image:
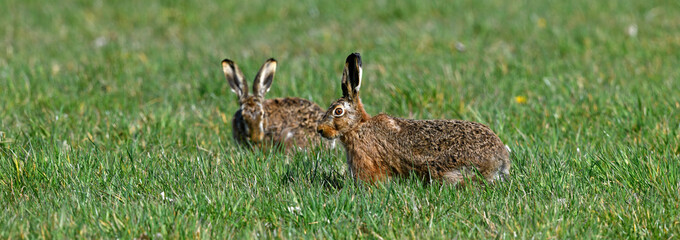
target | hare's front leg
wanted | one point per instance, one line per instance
(366, 169)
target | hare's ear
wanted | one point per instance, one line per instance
(351, 76)
(263, 80)
(235, 78)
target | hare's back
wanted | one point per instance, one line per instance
(293, 112)
(456, 134)
(436, 138)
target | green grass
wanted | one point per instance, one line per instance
(114, 117)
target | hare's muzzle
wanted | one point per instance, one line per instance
(326, 131)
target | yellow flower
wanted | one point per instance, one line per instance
(541, 23)
(520, 99)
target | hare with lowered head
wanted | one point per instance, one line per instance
(383, 146)
(285, 122)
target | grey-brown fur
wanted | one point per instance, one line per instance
(287, 122)
(382, 146)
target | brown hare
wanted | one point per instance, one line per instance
(383, 146)
(278, 122)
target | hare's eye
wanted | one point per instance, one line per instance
(338, 112)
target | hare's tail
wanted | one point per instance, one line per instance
(505, 170)
(502, 171)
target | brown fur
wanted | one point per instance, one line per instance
(382, 146)
(291, 122)
(285, 122)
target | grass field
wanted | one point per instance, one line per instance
(115, 117)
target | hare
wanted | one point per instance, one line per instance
(278, 122)
(384, 146)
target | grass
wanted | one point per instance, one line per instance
(115, 117)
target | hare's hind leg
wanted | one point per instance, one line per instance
(458, 176)
(497, 173)
(492, 175)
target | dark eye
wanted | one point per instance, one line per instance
(338, 112)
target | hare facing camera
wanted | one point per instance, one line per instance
(384, 146)
(279, 122)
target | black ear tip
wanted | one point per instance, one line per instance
(354, 57)
(271, 60)
(227, 61)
